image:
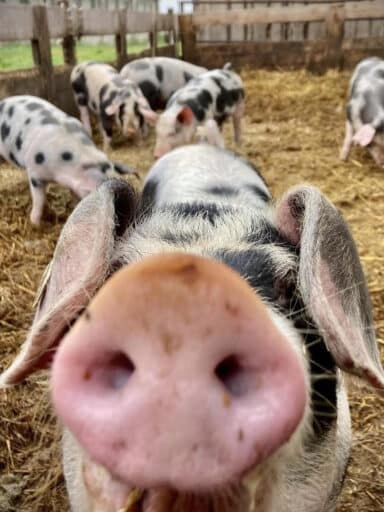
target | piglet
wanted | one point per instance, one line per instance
(99, 88)
(51, 146)
(159, 77)
(365, 110)
(212, 96)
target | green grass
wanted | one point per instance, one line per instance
(19, 55)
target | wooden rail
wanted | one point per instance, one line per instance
(290, 14)
(334, 48)
(17, 22)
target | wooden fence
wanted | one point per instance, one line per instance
(40, 24)
(335, 45)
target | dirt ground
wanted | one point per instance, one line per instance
(294, 126)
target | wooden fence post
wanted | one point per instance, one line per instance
(68, 43)
(153, 33)
(41, 49)
(121, 38)
(334, 23)
(188, 38)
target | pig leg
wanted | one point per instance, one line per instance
(38, 199)
(212, 134)
(236, 118)
(106, 132)
(84, 116)
(347, 144)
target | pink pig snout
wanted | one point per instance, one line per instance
(177, 376)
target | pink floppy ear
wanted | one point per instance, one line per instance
(79, 267)
(364, 135)
(331, 281)
(185, 116)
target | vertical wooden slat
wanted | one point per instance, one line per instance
(188, 38)
(68, 42)
(334, 23)
(41, 49)
(121, 38)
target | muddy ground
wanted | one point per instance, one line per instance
(293, 128)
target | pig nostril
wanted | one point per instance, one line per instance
(236, 379)
(115, 374)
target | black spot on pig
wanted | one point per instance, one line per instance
(10, 111)
(369, 109)
(67, 156)
(2, 104)
(39, 158)
(379, 73)
(152, 93)
(121, 113)
(260, 193)
(49, 120)
(222, 191)
(80, 88)
(19, 141)
(33, 105)
(187, 76)
(14, 159)
(205, 99)
(5, 131)
(148, 196)
(139, 65)
(74, 127)
(159, 73)
(138, 114)
(36, 183)
(125, 202)
(196, 108)
(178, 238)
(27, 121)
(267, 234)
(93, 106)
(209, 212)
(104, 167)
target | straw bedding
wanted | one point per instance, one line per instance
(293, 128)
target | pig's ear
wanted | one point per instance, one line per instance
(364, 135)
(80, 265)
(185, 116)
(331, 281)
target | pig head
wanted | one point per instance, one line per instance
(173, 375)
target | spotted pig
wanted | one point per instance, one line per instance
(202, 332)
(99, 88)
(212, 96)
(159, 77)
(365, 110)
(51, 146)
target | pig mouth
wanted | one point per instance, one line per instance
(106, 494)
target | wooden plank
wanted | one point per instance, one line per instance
(56, 21)
(335, 33)
(165, 22)
(188, 39)
(16, 23)
(353, 10)
(121, 39)
(41, 49)
(139, 22)
(99, 21)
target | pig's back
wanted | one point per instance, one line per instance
(205, 174)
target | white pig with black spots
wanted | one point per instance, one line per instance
(52, 147)
(160, 77)
(365, 110)
(99, 88)
(201, 336)
(210, 98)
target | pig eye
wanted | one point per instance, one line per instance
(235, 378)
